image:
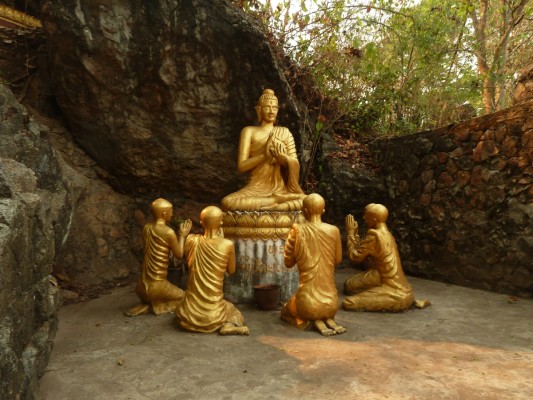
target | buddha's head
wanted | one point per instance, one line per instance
(267, 106)
(375, 214)
(161, 208)
(211, 217)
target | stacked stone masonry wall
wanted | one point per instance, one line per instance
(461, 200)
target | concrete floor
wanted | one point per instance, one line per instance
(469, 344)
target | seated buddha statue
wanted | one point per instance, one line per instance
(268, 154)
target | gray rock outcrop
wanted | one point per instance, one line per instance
(158, 92)
(56, 217)
(34, 203)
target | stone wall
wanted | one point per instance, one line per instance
(33, 206)
(461, 200)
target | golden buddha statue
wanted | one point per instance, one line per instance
(316, 248)
(153, 288)
(382, 287)
(209, 257)
(268, 153)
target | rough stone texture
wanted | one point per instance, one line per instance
(346, 185)
(55, 217)
(102, 243)
(157, 93)
(524, 86)
(33, 205)
(461, 200)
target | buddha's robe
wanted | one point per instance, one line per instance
(203, 308)
(313, 249)
(268, 177)
(383, 287)
(153, 287)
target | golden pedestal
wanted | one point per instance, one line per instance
(259, 238)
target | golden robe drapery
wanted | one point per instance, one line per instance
(314, 251)
(203, 308)
(153, 287)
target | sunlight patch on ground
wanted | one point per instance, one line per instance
(400, 369)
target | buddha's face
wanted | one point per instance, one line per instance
(269, 110)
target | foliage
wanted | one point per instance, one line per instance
(499, 30)
(396, 66)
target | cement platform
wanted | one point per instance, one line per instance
(468, 344)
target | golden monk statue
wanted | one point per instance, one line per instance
(316, 248)
(209, 257)
(268, 153)
(153, 288)
(382, 287)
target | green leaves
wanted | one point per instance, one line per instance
(393, 66)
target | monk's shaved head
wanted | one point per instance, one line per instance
(159, 206)
(314, 204)
(211, 217)
(377, 211)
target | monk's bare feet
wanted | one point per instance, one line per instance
(422, 303)
(323, 329)
(337, 328)
(137, 310)
(230, 329)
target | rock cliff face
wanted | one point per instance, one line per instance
(158, 92)
(34, 203)
(56, 217)
(101, 244)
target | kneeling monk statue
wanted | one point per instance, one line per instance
(209, 257)
(316, 248)
(382, 287)
(153, 288)
(268, 153)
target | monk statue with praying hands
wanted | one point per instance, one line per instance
(383, 286)
(156, 293)
(209, 256)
